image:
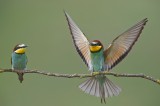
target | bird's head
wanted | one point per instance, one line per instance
(20, 48)
(95, 46)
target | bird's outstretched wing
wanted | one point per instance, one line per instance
(121, 46)
(80, 41)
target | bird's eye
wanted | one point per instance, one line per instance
(98, 44)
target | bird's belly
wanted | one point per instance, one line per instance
(19, 63)
(98, 64)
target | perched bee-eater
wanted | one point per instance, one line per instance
(19, 59)
(97, 59)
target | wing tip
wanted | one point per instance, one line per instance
(65, 13)
(144, 21)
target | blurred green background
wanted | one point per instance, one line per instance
(41, 24)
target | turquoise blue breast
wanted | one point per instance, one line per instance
(97, 60)
(19, 61)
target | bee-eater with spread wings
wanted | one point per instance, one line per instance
(97, 59)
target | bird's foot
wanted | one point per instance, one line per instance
(95, 73)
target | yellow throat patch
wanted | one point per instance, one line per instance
(20, 50)
(95, 48)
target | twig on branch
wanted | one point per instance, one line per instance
(83, 75)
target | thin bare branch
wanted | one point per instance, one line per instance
(83, 75)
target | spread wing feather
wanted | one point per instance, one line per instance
(121, 46)
(80, 41)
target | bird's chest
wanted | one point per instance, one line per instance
(97, 60)
(19, 61)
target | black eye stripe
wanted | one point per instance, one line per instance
(16, 48)
(19, 47)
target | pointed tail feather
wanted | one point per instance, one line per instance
(100, 86)
(20, 77)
